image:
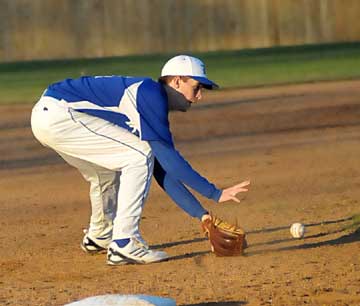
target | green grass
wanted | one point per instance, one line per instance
(355, 225)
(23, 82)
(352, 224)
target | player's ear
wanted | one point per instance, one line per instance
(176, 81)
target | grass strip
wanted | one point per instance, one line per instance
(23, 82)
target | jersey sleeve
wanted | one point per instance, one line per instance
(175, 165)
(178, 192)
(152, 106)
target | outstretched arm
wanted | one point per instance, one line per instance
(174, 164)
(178, 192)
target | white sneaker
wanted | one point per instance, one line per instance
(94, 245)
(134, 252)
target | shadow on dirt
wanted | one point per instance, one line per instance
(189, 255)
(175, 243)
(264, 230)
(274, 229)
(273, 242)
(51, 159)
(348, 238)
(345, 239)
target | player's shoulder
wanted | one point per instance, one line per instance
(152, 94)
(151, 84)
(152, 88)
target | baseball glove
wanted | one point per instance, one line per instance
(225, 239)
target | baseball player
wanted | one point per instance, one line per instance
(115, 131)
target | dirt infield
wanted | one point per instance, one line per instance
(299, 145)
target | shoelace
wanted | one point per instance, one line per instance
(141, 242)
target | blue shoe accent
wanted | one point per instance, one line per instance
(122, 242)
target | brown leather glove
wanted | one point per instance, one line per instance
(225, 239)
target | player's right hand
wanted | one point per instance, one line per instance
(231, 192)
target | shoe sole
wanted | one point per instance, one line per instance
(128, 260)
(119, 263)
(92, 252)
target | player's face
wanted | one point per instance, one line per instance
(190, 88)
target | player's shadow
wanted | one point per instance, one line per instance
(278, 241)
(189, 255)
(259, 231)
(349, 238)
(345, 239)
(285, 227)
(176, 243)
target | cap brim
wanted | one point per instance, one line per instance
(207, 84)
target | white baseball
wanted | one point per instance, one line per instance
(297, 230)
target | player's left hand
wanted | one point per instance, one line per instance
(231, 192)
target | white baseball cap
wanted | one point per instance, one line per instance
(185, 65)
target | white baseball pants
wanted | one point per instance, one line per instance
(117, 164)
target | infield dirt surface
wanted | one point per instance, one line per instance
(300, 147)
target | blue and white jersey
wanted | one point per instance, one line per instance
(140, 105)
(136, 104)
